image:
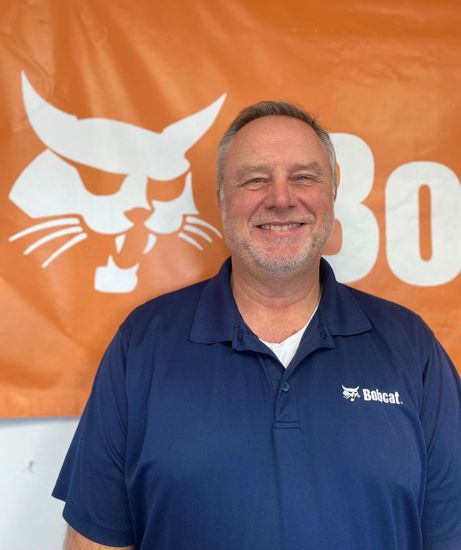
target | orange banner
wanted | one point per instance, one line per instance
(110, 117)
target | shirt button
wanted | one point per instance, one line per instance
(285, 386)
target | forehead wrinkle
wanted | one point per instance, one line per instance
(244, 170)
(313, 166)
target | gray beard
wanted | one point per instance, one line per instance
(280, 266)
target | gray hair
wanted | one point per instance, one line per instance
(272, 108)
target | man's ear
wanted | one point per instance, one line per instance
(337, 180)
(219, 197)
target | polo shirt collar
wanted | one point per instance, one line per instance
(339, 313)
(217, 318)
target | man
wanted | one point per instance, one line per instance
(270, 407)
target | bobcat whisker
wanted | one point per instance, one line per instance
(198, 231)
(193, 219)
(44, 225)
(190, 240)
(50, 237)
(71, 242)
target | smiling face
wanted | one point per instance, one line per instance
(277, 197)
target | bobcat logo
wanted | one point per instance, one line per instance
(351, 393)
(50, 187)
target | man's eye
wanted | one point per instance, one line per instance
(303, 178)
(253, 182)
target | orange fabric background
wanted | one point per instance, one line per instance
(386, 71)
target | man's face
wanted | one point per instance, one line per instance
(277, 197)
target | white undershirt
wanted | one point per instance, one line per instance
(286, 349)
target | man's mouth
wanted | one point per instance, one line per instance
(279, 226)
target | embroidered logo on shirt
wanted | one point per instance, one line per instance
(392, 398)
(351, 393)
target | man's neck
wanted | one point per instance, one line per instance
(275, 307)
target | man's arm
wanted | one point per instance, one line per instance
(76, 541)
(92, 478)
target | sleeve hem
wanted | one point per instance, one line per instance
(95, 533)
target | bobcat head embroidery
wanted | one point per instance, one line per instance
(351, 393)
(50, 187)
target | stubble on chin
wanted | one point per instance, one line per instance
(276, 262)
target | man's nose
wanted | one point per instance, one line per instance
(281, 194)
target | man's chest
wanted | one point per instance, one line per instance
(338, 416)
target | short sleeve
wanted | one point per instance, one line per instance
(441, 420)
(92, 478)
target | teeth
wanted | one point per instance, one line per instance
(280, 227)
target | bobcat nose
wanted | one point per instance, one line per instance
(138, 215)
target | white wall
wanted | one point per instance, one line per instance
(31, 454)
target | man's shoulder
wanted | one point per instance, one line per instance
(350, 303)
(171, 299)
(381, 305)
(389, 316)
(176, 307)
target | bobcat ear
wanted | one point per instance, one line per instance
(48, 122)
(88, 141)
(114, 146)
(187, 131)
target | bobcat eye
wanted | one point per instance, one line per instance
(164, 190)
(98, 182)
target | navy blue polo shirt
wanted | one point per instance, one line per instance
(196, 438)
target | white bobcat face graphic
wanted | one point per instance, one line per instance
(351, 393)
(51, 187)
